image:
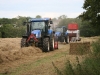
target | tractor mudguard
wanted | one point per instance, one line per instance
(50, 32)
(57, 34)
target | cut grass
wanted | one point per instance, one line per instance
(29, 66)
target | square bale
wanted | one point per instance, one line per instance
(79, 48)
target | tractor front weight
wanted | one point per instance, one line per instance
(32, 36)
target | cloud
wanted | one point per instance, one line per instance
(45, 8)
(12, 14)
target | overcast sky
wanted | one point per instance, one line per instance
(44, 8)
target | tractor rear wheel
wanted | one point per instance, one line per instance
(23, 42)
(52, 44)
(46, 45)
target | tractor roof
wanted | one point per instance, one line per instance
(39, 19)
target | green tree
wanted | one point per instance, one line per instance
(92, 13)
(20, 20)
(86, 29)
(66, 21)
(62, 17)
(38, 16)
(6, 30)
(5, 21)
(12, 27)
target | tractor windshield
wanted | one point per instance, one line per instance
(59, 29)
(38, 25)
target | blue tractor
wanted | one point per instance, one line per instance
(61, 33)
(40, 34)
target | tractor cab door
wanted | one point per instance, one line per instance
(27, 24)
(46, 27)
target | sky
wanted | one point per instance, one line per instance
(44, 8)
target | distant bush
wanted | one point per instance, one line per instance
(8, 31)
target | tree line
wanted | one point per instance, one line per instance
(11, 28)
(91, 15)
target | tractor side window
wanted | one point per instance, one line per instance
(59, 29)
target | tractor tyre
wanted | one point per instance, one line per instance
(46, 45)
(52, 44)
(66, 40)
(23, 42)
(62, 39)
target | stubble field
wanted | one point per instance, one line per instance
(15, 60)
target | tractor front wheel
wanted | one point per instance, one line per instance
(23, 42)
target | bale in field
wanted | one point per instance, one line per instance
(79, 48)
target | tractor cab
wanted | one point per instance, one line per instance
(60, 32)
(38, 24)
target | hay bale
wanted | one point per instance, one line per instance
(79, 48)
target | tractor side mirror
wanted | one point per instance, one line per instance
(51, 22)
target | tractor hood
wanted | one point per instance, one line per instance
(57, 33)
(37, 33)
